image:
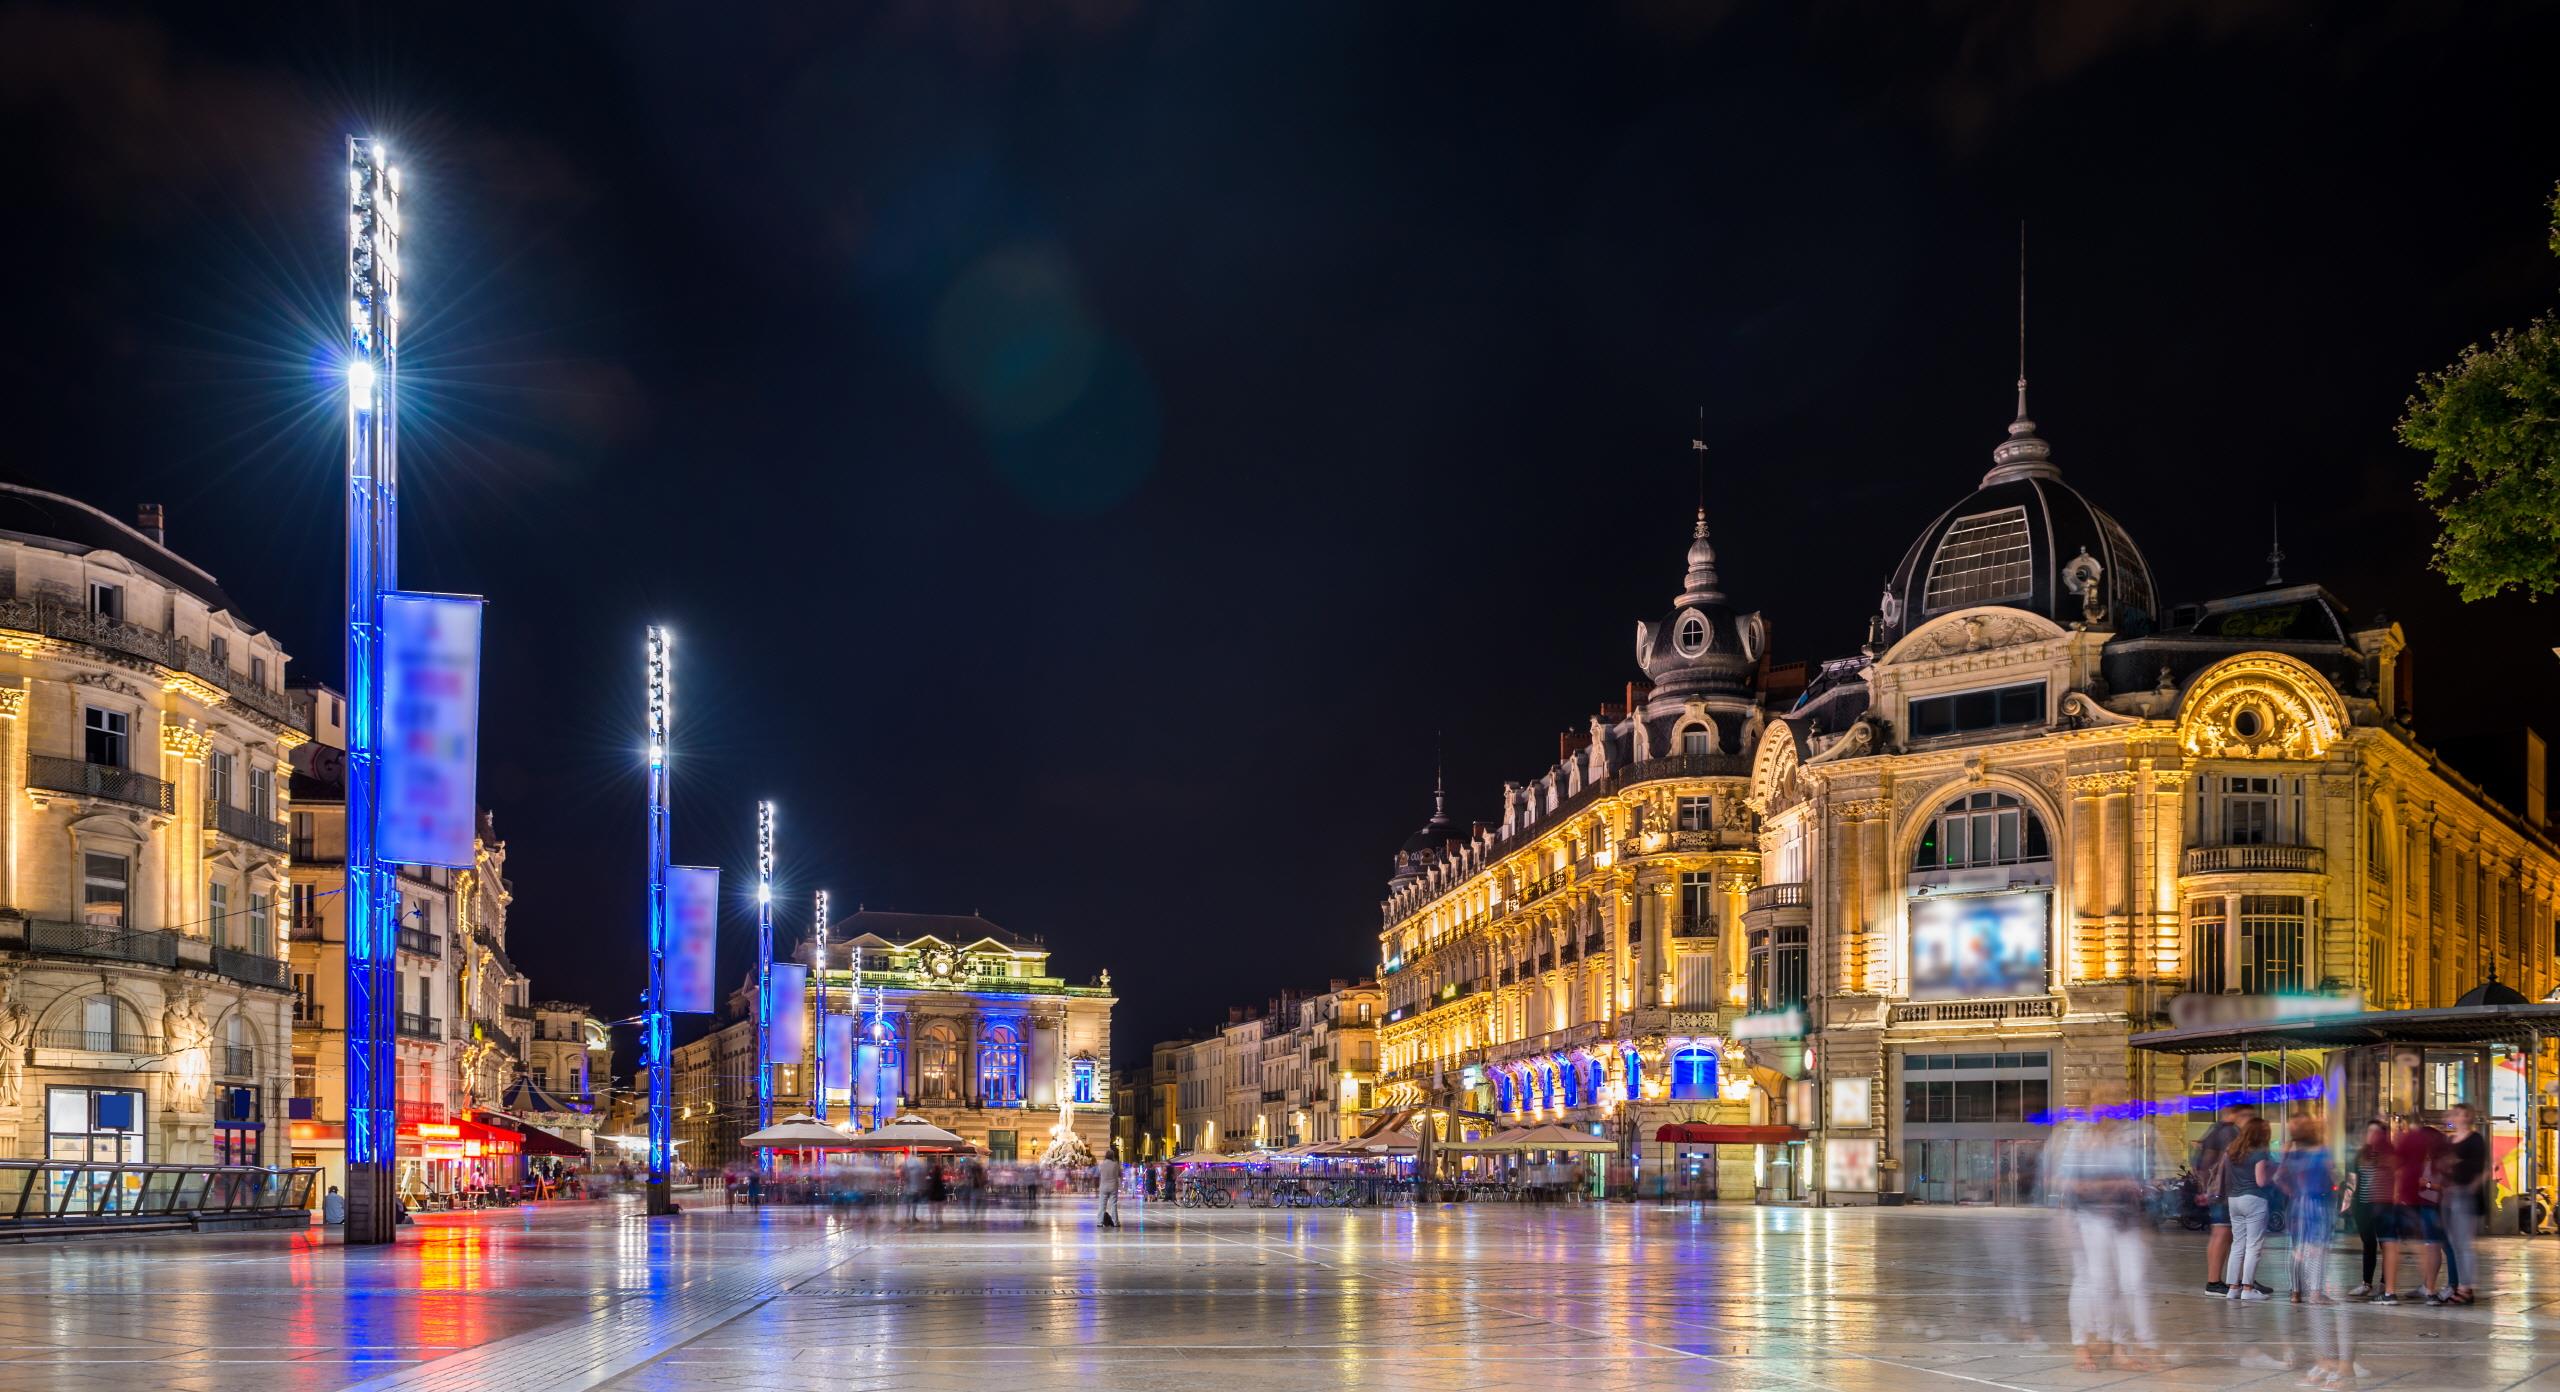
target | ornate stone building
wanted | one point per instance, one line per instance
(1978, 855)
(144, 733)
(960, 1022)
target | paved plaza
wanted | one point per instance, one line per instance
(1475, 1298)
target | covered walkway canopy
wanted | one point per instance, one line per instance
(1712, 1133)
(2452, 1024)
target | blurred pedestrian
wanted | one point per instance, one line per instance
(2309, 1182)
(2207, 1167)
(2248, 1179)
(2465, 1170)
(2101, 1179)
(1106, 1178)
(2420, 1229)
(2369, 1198)
(333, 1207)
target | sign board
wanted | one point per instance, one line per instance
(866, 1073)
(838, 1076)
(1850, 1102)
(693, 936)
(430, 736)
(790, 1039)
(1773, 1024)
(1969, 946)
(1848, 1166)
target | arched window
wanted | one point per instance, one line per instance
(1000, 1068)
(1697, 739)
(1547, 1076)
(1693, 1074)
(938, 1065)
(239, 1054)
(1572, 1083)
(1502, 1092)
(1635, 1075)
(1982, 829)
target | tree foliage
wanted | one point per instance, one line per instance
(2491, 423)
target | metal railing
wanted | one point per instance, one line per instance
(418, 1026)
(1950, 1012)
(106, 1041)
(236, 1061)
(520, 1012)
(77, 1191)
(79, 776)
(1693, 926)
(1775, 896)
(70, 619)
(244, 824)
(422, 943)
(253, 968)
(2208, 860)
(47, 938)
(307, 1011)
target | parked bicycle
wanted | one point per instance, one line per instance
(1196, 1194)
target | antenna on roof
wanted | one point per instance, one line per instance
(1439, 779)
(2275, 548)
(2022, 318)
(1698, 447)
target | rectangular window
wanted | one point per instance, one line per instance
(1697, 902)
(106, 601)
(1697, 814)
(106, 888)
(107, 736)
(262, 793)
(217, 776)
(84, 1123)
(261, 927)
(218, 903)
(1992, 708)
(302, 843)
(2207, 927)
(220, 647)
(1987, 558)
(2272, 928)
(258, 671)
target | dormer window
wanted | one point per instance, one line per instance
(1987, 558)
(1691, 635)
(1697, 739)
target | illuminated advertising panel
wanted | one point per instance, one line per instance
(430, 729)
(1968, 946)
(693, 936)
(790, 1039)
(840, 1055)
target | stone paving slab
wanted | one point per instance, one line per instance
(1481, 1299)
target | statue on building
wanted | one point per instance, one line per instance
(17, 1026)
(184, 1038)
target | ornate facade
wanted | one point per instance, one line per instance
(1978, 855)
(144, 733)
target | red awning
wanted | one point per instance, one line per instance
(540, 1142)
(1709, 1133)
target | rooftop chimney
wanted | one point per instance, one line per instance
(152, 522)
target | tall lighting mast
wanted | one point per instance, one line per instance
(658, 1027)
(764, 975)
(373, 489)
(819, 1015)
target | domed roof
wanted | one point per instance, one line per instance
(2027, 540)
(1703, 648)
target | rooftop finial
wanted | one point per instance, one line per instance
(2275, 548)
(2023, 454)
(1439, 779)
(1698, 448)
(1701, 584)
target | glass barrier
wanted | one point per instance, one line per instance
(50, 1190)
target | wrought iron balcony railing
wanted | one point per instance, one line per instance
(50, 939)
(417, 1026)
(236, 1061)
(245, 825)
(74, 621)
(85, 779)
(119, 1040)
(254, 968)
(421, 943)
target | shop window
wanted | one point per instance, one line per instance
(2207, 963)
(1993, 708)
(1982, 829)
(83, 1123)
(1693, 1074)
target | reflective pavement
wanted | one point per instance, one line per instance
(1474, 1298)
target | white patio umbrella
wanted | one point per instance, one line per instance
(799, 1131)
(909, 1132)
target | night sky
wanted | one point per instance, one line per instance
(1087, 451)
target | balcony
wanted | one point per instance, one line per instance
(309, 1012)
(1775, 896)
(1593, 942)
(81, 778)
(418, 942)
(302, 931)
(249, 968)
(242, 824)
(47, 939)
(521, 1012)
(73, 621)
(416, 1026)
(1693, 926)
(2229, 860)
(235, 1061)
(120, 1040)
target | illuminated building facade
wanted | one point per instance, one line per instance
(961, 1024)
(2040, 803)
(144, 739)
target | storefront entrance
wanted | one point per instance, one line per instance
(1969, 1134)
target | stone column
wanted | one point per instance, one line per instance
(13, 784)
(2161, 892)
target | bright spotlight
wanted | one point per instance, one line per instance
(360, 381)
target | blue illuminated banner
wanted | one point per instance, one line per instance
(430, 729)
(866, 1073)
(839, 1071)
(693, 931)
(790, 1014)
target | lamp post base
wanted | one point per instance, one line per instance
(373, 1205)
(662, 1198)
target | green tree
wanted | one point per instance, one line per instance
(2491, 423)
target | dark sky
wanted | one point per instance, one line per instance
(1086, 451)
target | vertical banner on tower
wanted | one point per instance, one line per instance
(839, 1073)
(866, 1075)
(693, 935)
(430, 738)
(790, 1014)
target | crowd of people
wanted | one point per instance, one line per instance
(2414, 1196)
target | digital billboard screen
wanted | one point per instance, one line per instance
(1965, 946)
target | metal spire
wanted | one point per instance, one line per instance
(2023, 454)
(2275, 549)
